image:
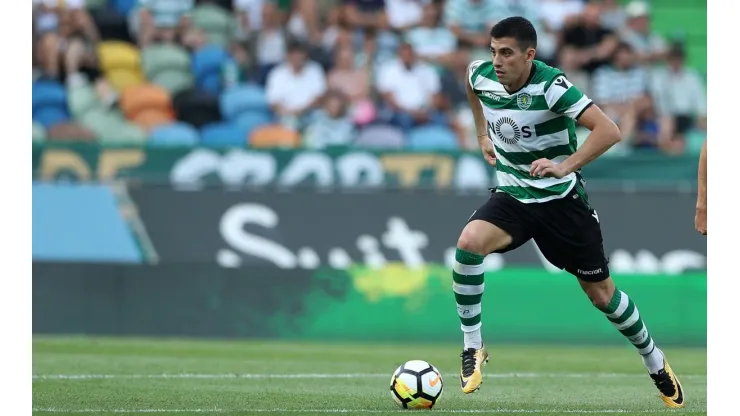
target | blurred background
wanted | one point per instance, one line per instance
(301, 169)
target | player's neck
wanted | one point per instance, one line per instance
(522, 80)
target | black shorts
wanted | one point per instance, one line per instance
(566, 230)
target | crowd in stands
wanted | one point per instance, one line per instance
(318, 73)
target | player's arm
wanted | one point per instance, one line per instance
(565, 99)
(604, 134)
(700, 221)
(481, 127)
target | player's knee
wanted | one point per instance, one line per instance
(472, 242)
(599, 298)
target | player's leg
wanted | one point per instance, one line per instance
(571, 239)
(622, 312)
(495, 227)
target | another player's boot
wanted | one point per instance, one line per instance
(670, 388)
(471, 374)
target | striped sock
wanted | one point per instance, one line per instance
(467, 277)
(623, 314)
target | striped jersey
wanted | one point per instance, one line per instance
(538, 121)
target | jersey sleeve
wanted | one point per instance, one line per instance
(472, 71)
(564, 98)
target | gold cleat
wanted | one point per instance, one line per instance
(670, 388)
(471, 375)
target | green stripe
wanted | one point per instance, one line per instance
(467, 258)
(485, 70)
(538, 103)
(614, 302)
(470, 321)
(468, 299)
(634, 329)
(472, 279)
(644, 344)
(626, 315)
(552, 126)
(529, 192)
(526, 158)
(567, 100)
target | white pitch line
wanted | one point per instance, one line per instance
(325, 376)
(341, 411)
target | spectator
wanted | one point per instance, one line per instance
(365, 14)
(648, 128)
(270, 43)
(331, 125)
(432, 41)
(560, 14)
(296, 87)
(249, 14)
(165, 21)
(410, 91)
(650, 47)
(613, 15)
(587, 45)
(621, 90)
(64, 38)
(681, 100)
(471, 21)
(405, 14)
(348, 79)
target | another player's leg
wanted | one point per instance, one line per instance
(623, 314)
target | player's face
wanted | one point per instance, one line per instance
(509, 60)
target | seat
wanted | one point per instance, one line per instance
(250, 121)
(144, 97)
(223, 134)
(273, 136)
(150, 118)
(162, 57)
(115, 54)
(241, 99)
(196, 107)
(70, 131)
(380, 136)
(215, 21)
(38, 132)
(174, 134)
(207, 64)
(432, 138)
(81, 99)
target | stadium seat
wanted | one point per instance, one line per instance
(173, 81)
(81, 99)
(46, 94)
(124, 133)
(156, 59)
(251, 120)
(196, 107)
(50, 116)
(241, 99)
(144, 97)
(215, 21)
(274, 136)
(121, 64)
(123, 7)
(151, 118)
(175, 134)
(207, 64)
(223, 134)
(432, 138)
(380, 136)
(70, 131)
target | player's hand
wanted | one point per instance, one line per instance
(700, 221)
(544, 167)
(486, 146)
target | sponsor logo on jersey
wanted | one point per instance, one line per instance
(492, 96)
(524, 100)
(562, 83)
(507, 130)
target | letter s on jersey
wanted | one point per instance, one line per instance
(526, 132)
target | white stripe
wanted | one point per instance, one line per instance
(342, 411)
(467, 270)
(550, 140)
(524, 168)
(467, 290)
(640, 337)
(507, 179)
(623, 302)
(468, 311)
(576, 108)
(472, 328)
(82, 377)
(554, 93)
(647, 349)
(533, 89)
(630, 321)
(549, 198)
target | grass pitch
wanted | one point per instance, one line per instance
(83, 376)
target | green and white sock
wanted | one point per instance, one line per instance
(467, 283)
(623, 314)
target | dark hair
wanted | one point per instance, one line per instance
(297, 46)
(518, 28)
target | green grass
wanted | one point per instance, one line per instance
(314, 378)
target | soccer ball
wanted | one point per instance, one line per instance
(416, 385)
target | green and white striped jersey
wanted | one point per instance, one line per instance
(533, 123)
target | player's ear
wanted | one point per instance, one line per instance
(530, 54)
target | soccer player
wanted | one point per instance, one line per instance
(700, 221)
(525, 113)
